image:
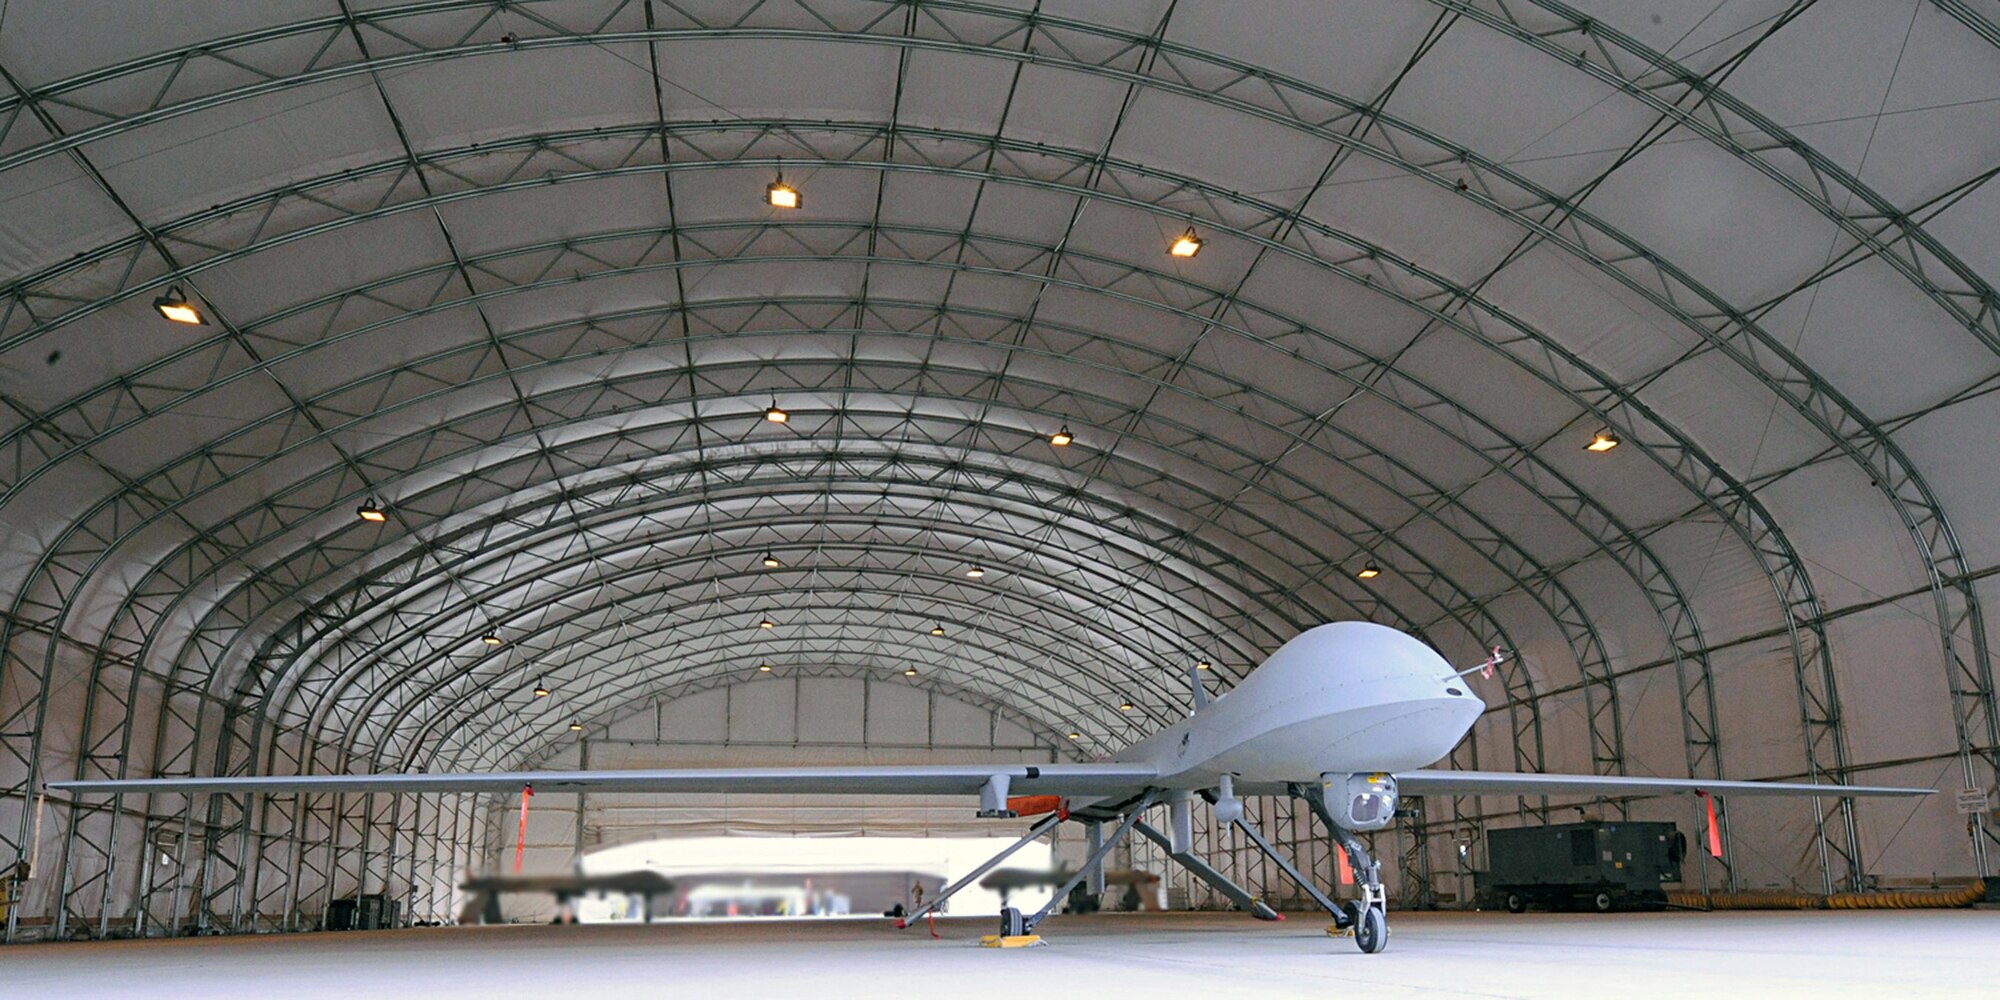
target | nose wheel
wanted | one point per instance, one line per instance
(1371, 930)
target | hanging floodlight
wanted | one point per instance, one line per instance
(1075, 735)
(975, 573)
(937, 629)
(776, 415)
(1369, 572)
(763, 668)
(780, 194)
(767, 623)
(1204, 665)
(1124, 706)
(177, 309)
(771, 561)
(909, 671)
(1604, 440)
(371, 512)
(1062, 438)
(1187, 246)
(541, 689)
(491, 638)
(576, 727)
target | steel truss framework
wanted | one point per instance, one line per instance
(588, 519)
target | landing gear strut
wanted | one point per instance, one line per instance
(1367, 917)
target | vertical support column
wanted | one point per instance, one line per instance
(582, 800)
(1418, 892)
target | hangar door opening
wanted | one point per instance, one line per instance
(811, 877)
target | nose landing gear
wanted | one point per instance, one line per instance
(1366, 918)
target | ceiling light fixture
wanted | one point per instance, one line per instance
(1075, 735)
(909, 671)
(763, 668)
(576, 727)
(767, 623)
(1124, 706)
(937, 629)
(780, 194)
(371, 512)
(541, 689)
(1203, 665)
(1604, 440)
(771, 561)
(177, 309)
(1062, 438)
(776, 415)
(1369, 572)
(491, 638)
(975, 573)
(1187, 246)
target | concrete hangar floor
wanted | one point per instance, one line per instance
(1710, 955)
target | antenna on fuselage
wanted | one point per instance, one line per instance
(1200, 690)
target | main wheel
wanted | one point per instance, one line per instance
(1011, 924)
(1603, 902)
(1372, 932)
(1517, 903)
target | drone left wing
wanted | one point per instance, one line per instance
(1089, 779)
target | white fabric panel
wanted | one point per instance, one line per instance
(835, 712)
(1340, 308)
(947, 90)
(171, 169)
(898, 714)
(1893, 690)
(1855, 545)
(1729, 226)
(1722, 578)
(1733, 416)
(1868, 308)
(1352, 48)
(1757, 702)
(1915, 840)
(1589, 312)
(763, 711)
(1699, 36)
(48, 207)
(310, 268)
(1063, 108)
(42, 43)
(704, 79)
(1650, 713)
(1557, 109)
(1631, 626)
(551, 212)
(702, 716)
(1789, 78)
(479, 98)
(1028, 213)
(1191, 137)
(1434, 228)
